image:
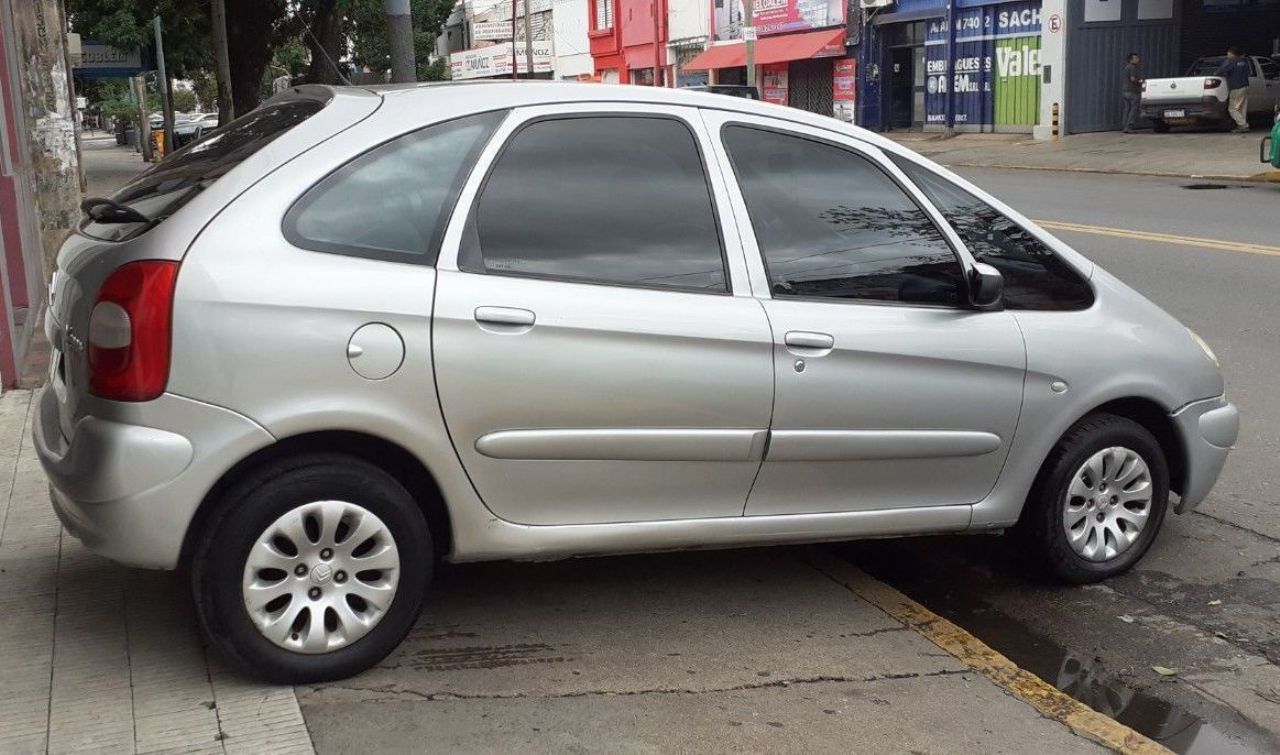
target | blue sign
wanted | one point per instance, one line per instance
(970, 72)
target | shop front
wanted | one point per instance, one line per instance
(975, 67)
(792, 69)
(494, 62)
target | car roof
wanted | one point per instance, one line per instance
(487, 94)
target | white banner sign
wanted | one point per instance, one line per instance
(496, 61)
(490, 30)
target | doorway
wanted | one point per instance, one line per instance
(906, 87)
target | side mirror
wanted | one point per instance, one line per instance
(986, 287)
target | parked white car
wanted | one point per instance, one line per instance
(1200, 97)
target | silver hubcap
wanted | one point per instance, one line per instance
(1108, 503)
(321, 576)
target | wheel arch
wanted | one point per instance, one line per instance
(1156, 419)
(404, 466)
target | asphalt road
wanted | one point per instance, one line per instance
(1206, 600)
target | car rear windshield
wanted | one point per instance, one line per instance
(159, 192)
(1205, 67)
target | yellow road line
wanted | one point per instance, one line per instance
(1163, 238)
(1048, 700)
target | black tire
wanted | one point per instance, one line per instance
(1160, 127)
(253, 504)
(1040, 529)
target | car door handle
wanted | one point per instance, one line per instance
(809, 342)
(505, 316)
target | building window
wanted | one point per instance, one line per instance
(603, 15)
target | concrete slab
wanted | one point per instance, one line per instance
(677, 622)
(946, 713)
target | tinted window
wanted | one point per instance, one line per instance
(830, 223)
(1270, 69)
(160, 191)
(621, 200)
(392, 202)
(1034, 277)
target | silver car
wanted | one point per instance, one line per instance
(356, 331)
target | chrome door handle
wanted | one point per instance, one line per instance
(803, 339)
(504, 316)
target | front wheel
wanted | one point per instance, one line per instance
(1099, 500)
(312, 569)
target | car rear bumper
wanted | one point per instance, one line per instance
(1209, 430)
(1207, 108)
(128, 488)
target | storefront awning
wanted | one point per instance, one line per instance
(779, 49)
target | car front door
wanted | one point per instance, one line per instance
(598, 355)
(891, 392)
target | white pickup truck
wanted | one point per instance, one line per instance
(1201, 96)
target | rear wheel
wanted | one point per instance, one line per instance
(312, 569)
(1099, 500)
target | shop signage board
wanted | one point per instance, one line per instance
(490, 30)
(774, 80)
(781, 16)
(844, 88)
(495, 60)
(995, 71)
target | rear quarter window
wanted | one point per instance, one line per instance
(161, 191)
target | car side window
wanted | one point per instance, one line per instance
(1270, 69)
(830, 223)
(618, 200)
(392, 202)
(1034, 276)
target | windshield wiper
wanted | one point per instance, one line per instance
(104, 210)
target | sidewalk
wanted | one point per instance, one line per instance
(1185, 154)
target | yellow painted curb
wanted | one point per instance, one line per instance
(1163, 238)
(1027, 687)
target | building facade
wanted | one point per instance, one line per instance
(572, 46)
(802, 54)
(629, 41)
(40, 184)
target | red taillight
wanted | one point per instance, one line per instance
(130, 332)
(1212, 83)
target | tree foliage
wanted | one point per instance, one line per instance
(371, 44)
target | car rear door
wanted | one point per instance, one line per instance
(598, 355)
(891, 393)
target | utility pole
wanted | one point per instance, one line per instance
(749, 36)
(139, 86)
(657, 66)
(218, 15)
(404, 67)
(515, 55)
(166, 89)
(528, 39)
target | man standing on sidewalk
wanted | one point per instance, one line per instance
(1131, 92)
(1235, 69)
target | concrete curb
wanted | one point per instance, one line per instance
(1272, 176)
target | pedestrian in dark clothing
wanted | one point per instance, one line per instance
(1131, 93)
(1235, 69)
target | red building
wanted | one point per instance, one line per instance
(623, 43)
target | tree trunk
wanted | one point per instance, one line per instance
(218, 18)
(326, 30)
(250, 25)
